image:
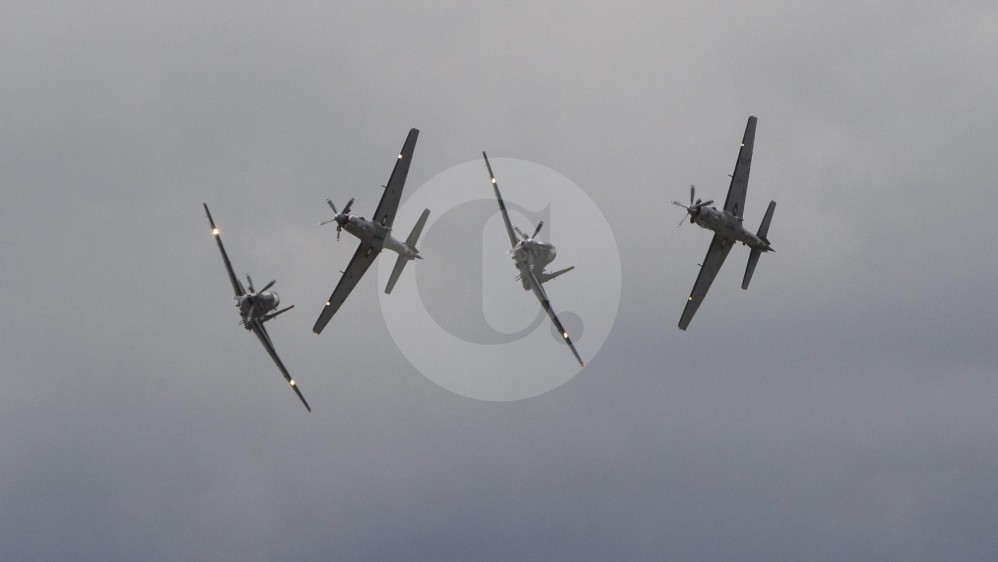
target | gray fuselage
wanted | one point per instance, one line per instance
(729, 226)
(376, 235)
(256, 305)
(534, 255)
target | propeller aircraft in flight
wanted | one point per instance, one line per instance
(531, 256)
(255, 308)
(726, 224)
(374, 235)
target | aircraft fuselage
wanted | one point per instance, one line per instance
(534, 255)
(729, 226)
(377, 235)
(257, 305)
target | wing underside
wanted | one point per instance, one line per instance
(502, 204)
(389, 204)
(264, 337)
(542, 296)
(237, 287)
(718, 250)
(735, 202)
(361, 261)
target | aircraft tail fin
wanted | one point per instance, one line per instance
(411, 242)
(753, 258)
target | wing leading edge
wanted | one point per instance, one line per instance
(389, 204)
(542, 296)
(264, 337)
(502, 204)
(362, 259)
(236, 285)
(735, 202)
(718, 250)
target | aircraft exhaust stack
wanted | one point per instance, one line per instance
(411, 243)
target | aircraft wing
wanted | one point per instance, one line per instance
(542, 296)
(735, 203)
(362, 259)
(719, 248)
(261, 333)
(236, 285)
(385, 213)
(502, 205)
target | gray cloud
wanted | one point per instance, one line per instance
(839, 409)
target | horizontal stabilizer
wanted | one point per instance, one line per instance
(418, 229)
(750, 268)
(764, 227)
(275, 314)
(396, 273)
(545, 277)
(411, 242)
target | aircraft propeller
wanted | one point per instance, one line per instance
(693, 208)
(532, 236)
(341, 218)
(536, 230)
(253, 292)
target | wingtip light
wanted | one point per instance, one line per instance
(564, 335)
(291, 382)
(214, 232)
(400, 155)
(493, 180)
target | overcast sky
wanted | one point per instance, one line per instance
(842, 408)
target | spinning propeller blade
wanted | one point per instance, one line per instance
(538, 229)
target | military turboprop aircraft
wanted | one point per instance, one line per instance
(531, 256)
(727, 226)
(255, 308)
(375, 235)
